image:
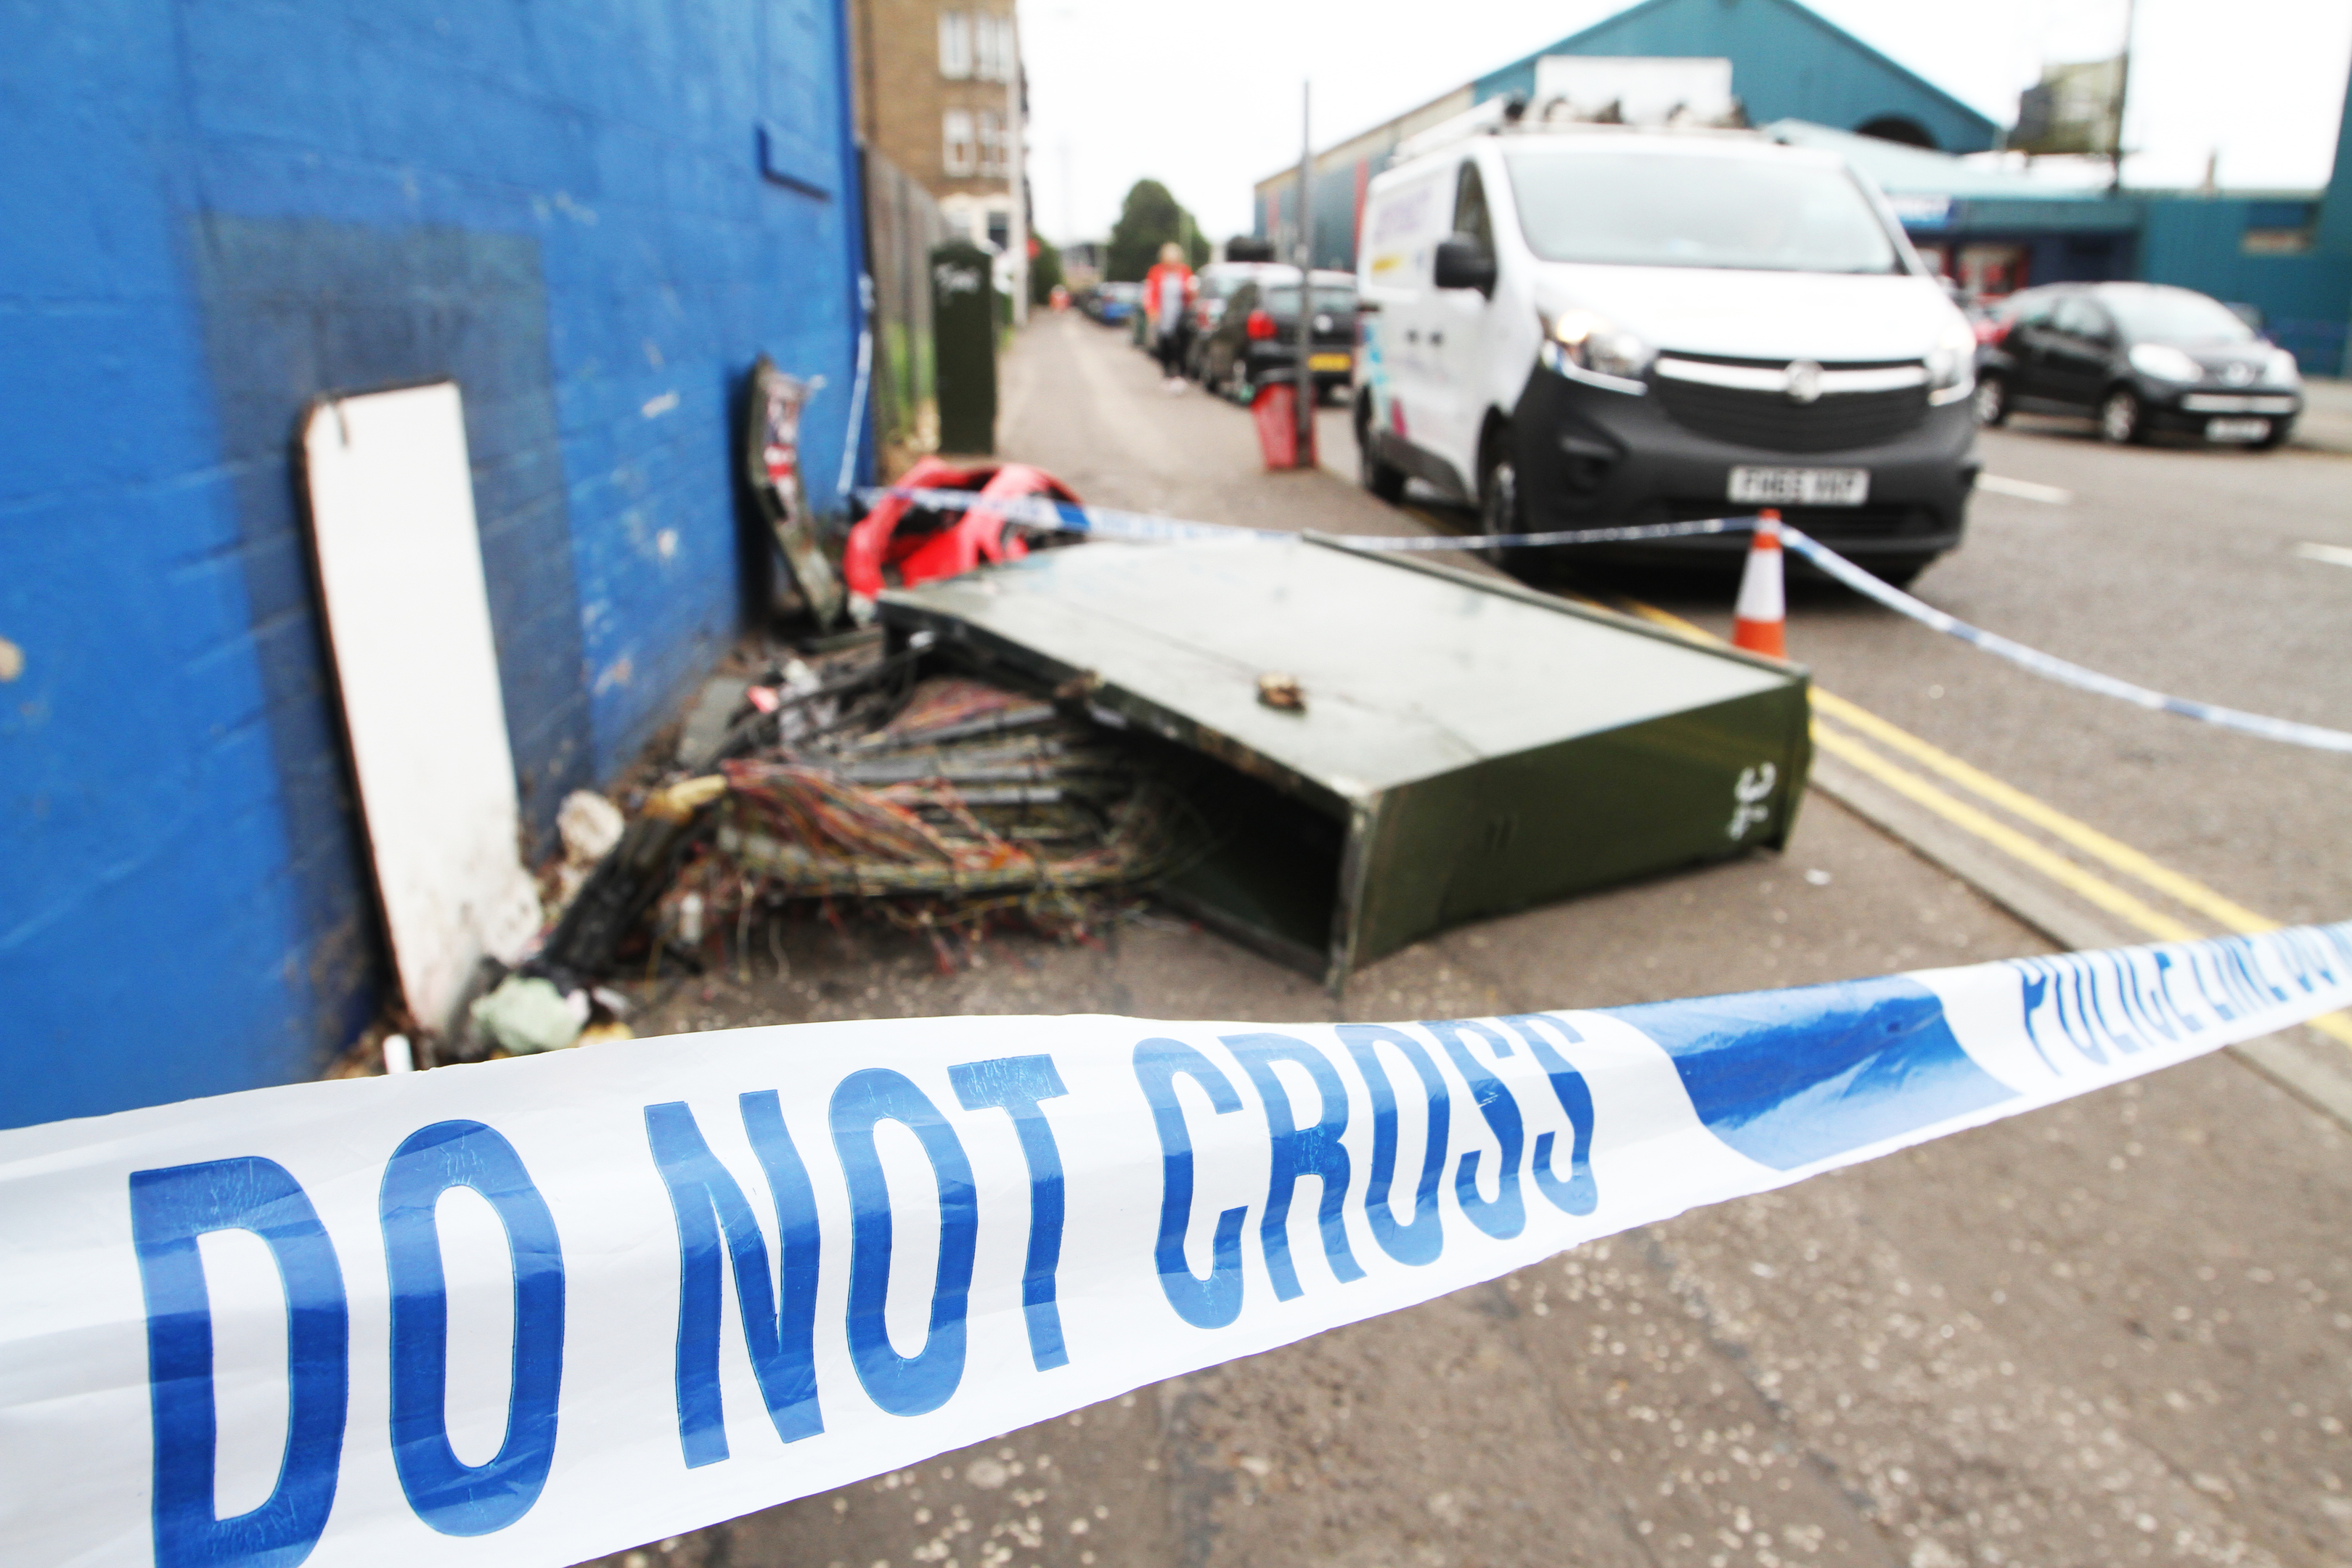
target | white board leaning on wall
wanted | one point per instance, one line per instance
(409, 621)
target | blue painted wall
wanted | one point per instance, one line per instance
(1787, 63)
(214, 210)
(2199, 242)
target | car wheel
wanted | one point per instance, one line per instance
(2121, 417)
(1991, 400)
(1385, 481)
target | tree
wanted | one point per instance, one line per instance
(1044, 269)
(1147, 219)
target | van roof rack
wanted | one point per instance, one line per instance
(1512, 114)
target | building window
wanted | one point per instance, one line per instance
(955, 44)
(1000, 230)
(996, 50)
(957, 151)
(2276, 242)
(995, 159)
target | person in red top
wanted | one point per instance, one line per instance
(1167, 308)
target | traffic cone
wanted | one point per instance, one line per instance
(1760, 621)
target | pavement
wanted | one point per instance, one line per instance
(2112, 1331)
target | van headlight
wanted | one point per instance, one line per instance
(1952, 364)
(2165, 362)
(1590, 347)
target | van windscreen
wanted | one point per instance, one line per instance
(1687, 209)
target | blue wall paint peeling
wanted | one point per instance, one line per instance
(215, 209)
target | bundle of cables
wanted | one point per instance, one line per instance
(970, 790)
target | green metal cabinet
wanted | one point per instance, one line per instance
(1468, 746)
(963, 346)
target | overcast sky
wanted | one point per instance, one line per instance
(1203, 94)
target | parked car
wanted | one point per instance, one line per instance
(1216, 283)
(2138, 358)
(1257, 334)
(1580, 326)
(1112, 303)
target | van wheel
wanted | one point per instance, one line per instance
(2120, 417)
(1385, 481)
(1991, 400)
(1499, 495)
(1901, 570)
(1500, 509)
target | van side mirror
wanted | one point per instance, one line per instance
(1464, 263)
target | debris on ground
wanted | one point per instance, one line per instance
(771, 459)
(1471, 747)
(1044, 747)
(914, 544)
(590, 827)
(849, 776)
(1282, 691)
(527, 1015)
(705, 731)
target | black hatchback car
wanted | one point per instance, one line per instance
(2138, 358)
(1258, 334)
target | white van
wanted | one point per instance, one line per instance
(1588, 326)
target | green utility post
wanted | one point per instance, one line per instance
(964, 335)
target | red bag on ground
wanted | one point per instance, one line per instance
(1275, 409)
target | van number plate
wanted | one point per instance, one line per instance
(1800, 487)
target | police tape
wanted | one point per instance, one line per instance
(555, 1306)
(1042, 512)
(1045, 513)
(2053, 668)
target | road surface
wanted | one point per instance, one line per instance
(2111, 1332)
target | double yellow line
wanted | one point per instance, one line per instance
(1862, 740)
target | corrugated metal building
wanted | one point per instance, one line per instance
(1786, 63)
(593, 218)
(2286, 253)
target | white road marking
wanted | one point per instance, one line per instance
(2025, 490)
(2334, 554)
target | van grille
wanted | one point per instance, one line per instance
(1769, 422)
(1875, 520)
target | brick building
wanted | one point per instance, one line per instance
(939, 94)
